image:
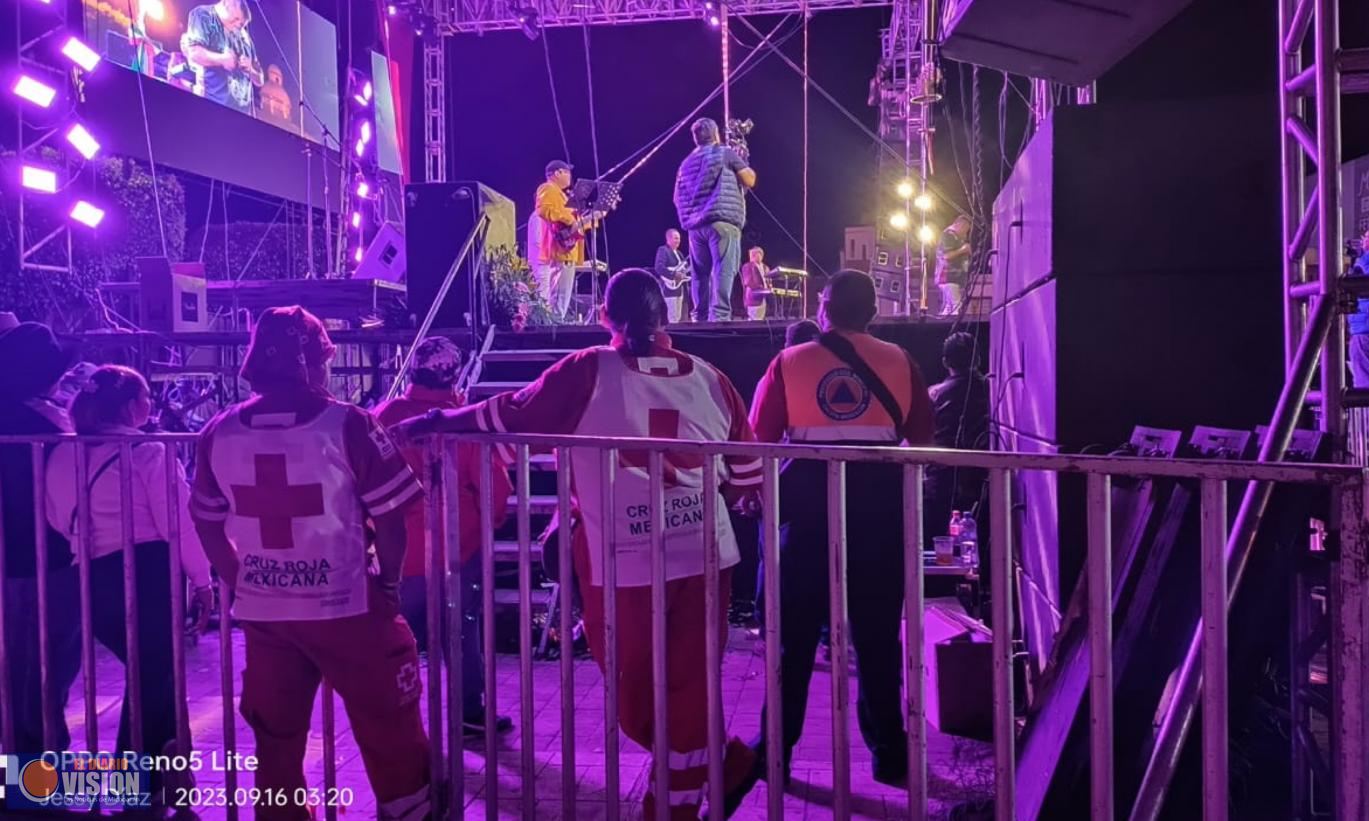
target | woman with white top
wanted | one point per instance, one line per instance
(117, 401)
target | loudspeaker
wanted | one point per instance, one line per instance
(438, 219)
(385, 258)
(172, 296)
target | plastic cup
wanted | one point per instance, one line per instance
(944, 547)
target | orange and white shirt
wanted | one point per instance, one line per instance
(607, 391)
(810, 395)
(294, 483)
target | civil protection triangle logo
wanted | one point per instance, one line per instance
(72, 782)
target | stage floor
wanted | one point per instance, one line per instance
(958, 769)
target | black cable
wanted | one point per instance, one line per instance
(151, 159)
(555, 102)
(780, 225)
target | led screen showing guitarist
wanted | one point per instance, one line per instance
(560, 245)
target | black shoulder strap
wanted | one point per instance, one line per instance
(842, 348)
(90, 488)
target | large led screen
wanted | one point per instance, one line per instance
(387, 134)
(272, 60)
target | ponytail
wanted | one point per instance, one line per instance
(635, 308)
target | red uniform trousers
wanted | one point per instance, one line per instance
(371, 661)
(686, 679)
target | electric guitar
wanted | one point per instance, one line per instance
(567, 236)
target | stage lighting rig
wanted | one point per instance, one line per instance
(87, 214)
(81, 140)
(529, 21)
(39, 93)
(42, 180)
(904, 189)
(923, 202)
(926, 234)
(898, 220)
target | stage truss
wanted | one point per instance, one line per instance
(474, 16)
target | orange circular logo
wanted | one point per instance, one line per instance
(38, 780)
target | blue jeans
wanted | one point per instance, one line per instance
(64, 647)
(714, 253)
(413, 605)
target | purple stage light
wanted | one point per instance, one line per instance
(154, 9)
(35, 178)
(82, 141)
(356, 219)
(365, 130)
(40, 94)
(391, 10)
(714, 21)
(357, 255)
(87, 214)
(363, 189)
(361, 147)
(367, 91)
(80, 54)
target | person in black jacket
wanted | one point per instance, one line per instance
(960, 405)
(35, 362)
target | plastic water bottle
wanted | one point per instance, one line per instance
(969, 535)
(954, 530)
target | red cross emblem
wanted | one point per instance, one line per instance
(662, 423)
(276, 502)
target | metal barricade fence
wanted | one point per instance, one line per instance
(444, 582)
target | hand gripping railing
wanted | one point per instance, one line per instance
(443, 512)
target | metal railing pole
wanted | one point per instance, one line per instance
(434, 544)
(230, 726)
(1100, 646)
(713, 649)
(1004, 725)
(134, 664)
(1215, 689)
(775, 751)
(174, 535)
(6, 695)
(608, 466)
(486, 483)
(527, 761)
(83, 546)
(329, 710)
(453, 579)
(565, 588)
(913, 618)
(841, 671)
(40, 536)
(660, 682)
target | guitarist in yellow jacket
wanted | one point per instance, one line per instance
(554, 259)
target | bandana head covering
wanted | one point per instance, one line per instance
(287, 343)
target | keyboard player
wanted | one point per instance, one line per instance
(756, 284)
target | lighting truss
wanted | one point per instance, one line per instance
(463, 16)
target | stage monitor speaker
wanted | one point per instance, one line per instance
(172, 296)
(385, 258)
(438, 219)
(1071, 43)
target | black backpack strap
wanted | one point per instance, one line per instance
(842, 348)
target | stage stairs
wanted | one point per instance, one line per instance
(499, 368)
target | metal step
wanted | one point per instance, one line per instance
(536, 505)
(505, 551)
(526, 355)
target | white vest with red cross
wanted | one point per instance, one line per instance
(656, 401)
(295, 516)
